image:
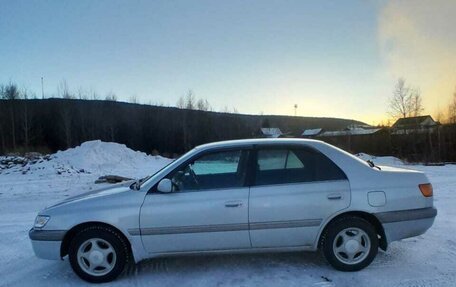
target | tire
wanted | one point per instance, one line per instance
(98, 254)
(350, 243)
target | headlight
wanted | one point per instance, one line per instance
(41, 220)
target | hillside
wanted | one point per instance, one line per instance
(56, 124)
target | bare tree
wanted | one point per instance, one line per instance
(181, 103)
(399, 102)
(133, 99)
(156, 103)
(81, 94)
(11, 93)
(452, 109)
(203, 105)
(190, 100)
(439, 115)
(416, 103)
(111, 97)
(405, 101)
(63, 90)
(94, 95)
(225, 110)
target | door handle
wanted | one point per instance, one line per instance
(334, 196)
(233, 204)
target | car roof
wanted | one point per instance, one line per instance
(261, 141)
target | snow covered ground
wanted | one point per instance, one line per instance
(427, 260)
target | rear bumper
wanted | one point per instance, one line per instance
(46, 243)
(406, 223)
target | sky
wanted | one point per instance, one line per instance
(331, 58)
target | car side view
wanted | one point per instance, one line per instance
(258, 195)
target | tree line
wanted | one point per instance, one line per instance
(48, 125)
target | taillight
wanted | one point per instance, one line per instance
(426, 189)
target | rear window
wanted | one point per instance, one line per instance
(281, 166)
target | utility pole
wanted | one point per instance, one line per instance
(295, 109)
(42, 89)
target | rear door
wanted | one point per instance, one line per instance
(208, 209)
(294, 190)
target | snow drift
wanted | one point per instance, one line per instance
(92, 157)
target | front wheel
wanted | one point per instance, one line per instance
(350, 244)
(98, 254)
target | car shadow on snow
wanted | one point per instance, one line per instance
(226, 270)
(249, 266)
(254, 264)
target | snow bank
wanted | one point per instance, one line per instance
(109, 158)
(93, 157)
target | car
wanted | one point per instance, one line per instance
(255, 195)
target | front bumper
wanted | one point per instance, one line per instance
(46, 243)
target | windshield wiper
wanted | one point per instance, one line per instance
(372, 164)
(138, 182)
(135, 185)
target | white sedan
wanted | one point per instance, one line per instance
(241, 196)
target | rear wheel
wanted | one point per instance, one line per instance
(98, 254)
(350, 244)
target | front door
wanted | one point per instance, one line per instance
(207, 210)
(294, 190)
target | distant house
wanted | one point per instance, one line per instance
(271, 132)
(309, 133)
(419, 124)
(352, 130)
(355, 138)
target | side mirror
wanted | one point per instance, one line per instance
(165, 186)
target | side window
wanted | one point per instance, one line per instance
(272, 159)
(280, 166)
(326, 169)
(217, 163)
(212, 171)
(278, 159)
(293, 161)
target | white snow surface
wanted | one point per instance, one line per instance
(426, 260)
(384, 160)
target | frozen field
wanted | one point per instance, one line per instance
(428, 260)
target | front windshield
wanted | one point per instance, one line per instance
(146, 178)
(141, 181)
